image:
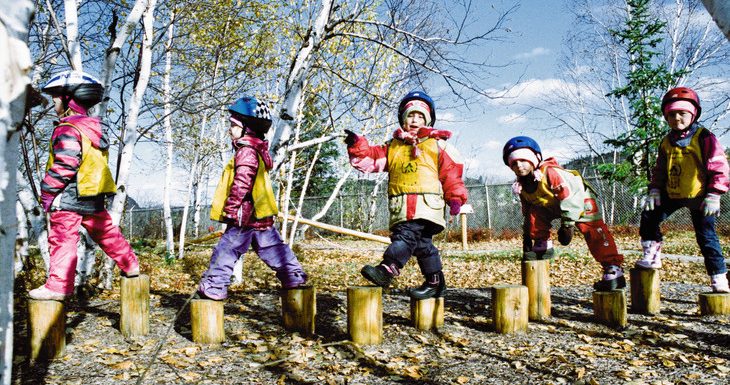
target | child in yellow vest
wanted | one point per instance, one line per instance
(547, 192)
(691, 171)
(424, 173)
(244, 200)
(76, 182)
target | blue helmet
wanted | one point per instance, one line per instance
(255, 114)
(521, 142)
(417, 95)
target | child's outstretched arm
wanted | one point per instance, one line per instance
(363, 156)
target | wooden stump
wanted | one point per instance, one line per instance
(509, 308)
(47, 329)
(299, 309)
(206, 319)
(134, 310)
(427, 314)
(609, 307)
(715, 303)
(365, 314)
(536, 276)
(645, 292)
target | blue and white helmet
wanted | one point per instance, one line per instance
(85, 89)
(254, 113)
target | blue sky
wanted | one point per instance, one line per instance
(535, 37)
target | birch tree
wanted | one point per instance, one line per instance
(720, 11)
(169, 145)
(130, 139)
(15, 18)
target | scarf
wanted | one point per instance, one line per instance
(422, 134)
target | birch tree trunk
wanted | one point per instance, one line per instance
(131, 136)
(720, 11)
(35, 217)
(169, 234)
(72, 33)
(296, 82)
(15, 19)
(302, 194)
(112, 53)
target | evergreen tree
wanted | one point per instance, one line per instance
(646, 81)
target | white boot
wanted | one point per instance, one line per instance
(44, 293)
(719, 283)
(652, 258)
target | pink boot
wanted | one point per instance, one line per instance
(652, 258)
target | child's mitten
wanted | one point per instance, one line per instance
(711, 205)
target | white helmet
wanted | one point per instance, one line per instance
(85, 89)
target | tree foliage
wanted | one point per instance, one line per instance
(647, 80)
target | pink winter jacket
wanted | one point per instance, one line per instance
(246, 163)
(713, 158)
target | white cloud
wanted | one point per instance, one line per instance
(511, 119)
(537, 51)
(531, 91)
(493, 145)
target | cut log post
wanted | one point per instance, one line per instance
(365, 314)
(464, 232)
(427, 314)
(715, 303)
(609, 307)
(47, 329)
(134, 313)
(645, 292)
(299, 309)
(536, 276)
(509, 308)
(206, 321)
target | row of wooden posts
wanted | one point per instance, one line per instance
(512, 307)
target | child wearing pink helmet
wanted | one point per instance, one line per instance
(691, 171)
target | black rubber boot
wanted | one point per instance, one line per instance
(538, 255)
(433, 287)
(379, 275)
(613, 279)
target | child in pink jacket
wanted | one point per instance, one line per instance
(244, 200)
(76, 182)
(691, 171)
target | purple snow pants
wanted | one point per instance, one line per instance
(233, 245)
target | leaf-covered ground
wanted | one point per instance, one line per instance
(676, 347)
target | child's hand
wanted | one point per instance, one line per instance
(565, 234)
(711, 205)
(653, 200)
(351, 138)
(46, 201)
(454, 207)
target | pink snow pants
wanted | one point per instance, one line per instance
(63, 236)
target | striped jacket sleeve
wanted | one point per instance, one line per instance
(66, 147)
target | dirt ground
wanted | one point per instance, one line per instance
(677, 346)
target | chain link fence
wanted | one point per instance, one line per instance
(496, 211)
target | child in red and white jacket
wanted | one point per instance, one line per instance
(547, 192)
(76, 183)
(424, 173)
(691, 171)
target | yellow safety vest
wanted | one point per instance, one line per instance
(264, 201)
(413, 176)
(685, 174)
(93, 176)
